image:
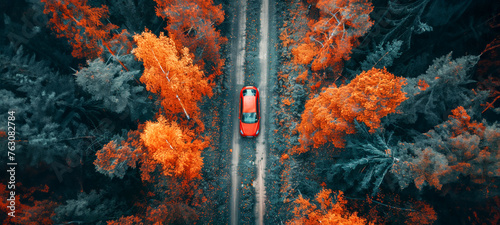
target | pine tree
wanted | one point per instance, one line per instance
(455, 151)
(365, 162)
(445, 83)
(48, 110)
(112, 86)
(383, 57)
(92, 207)
(401, 21)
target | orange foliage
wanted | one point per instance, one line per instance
(422, 85)
(285, 38)
(112, 158)
(324, 211)
(422, 214)
(284, 157)
(170, 73)
(156, 145)
(156, 215)
(27, 209)
(332, 36)
(129, 220)
(83, 26)
(302, 77)
(462, 123)
(287, 101)
(192, 24)
(428, 170)
(173, 148)
(169, 212)
(330, 116)
(305, 53)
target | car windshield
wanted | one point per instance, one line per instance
(249, 118)
(249, 92)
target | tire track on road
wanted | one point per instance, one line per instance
(261, 148)
(240, 79)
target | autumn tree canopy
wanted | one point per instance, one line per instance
(173, 148)
(332, 36)
(29, 210)
(85, 27)
(326, 209)
(192, 24)
(126, 220)
(159, 144)
(369, 97)
(114, 160)
(171, 74)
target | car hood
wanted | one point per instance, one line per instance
(249, 129)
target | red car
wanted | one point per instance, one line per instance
(249, 111)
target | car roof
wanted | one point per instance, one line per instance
(249, 104)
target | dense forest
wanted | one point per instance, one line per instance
(380, 111)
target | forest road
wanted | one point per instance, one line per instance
(238, 57)
(261, 148)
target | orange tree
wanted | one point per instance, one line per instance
(28, 210)
(332, 36)
(330, 116)
(170, 159)
(126, 220)
(192, 24)
(171, 74)
(175, 149)
(161, 145)
(84, 28)
(324, 210)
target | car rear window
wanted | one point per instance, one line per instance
(249, 92)
(249, 118)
